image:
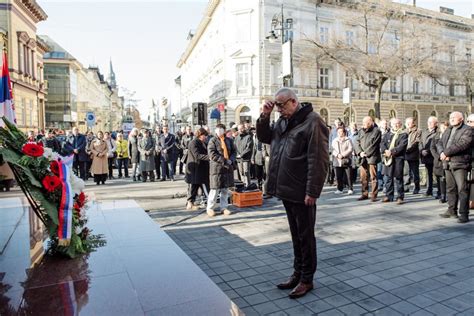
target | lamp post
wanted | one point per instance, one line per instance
(280, 25)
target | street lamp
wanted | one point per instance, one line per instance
(281, 30)
(173, 119)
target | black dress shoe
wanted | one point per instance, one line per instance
(463, 219)
(363, 197)
(289, 284)
(300, 290)
(416, 191)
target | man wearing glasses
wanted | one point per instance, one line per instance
(298, 166)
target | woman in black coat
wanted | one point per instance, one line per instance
(197, 168)
(438, 169)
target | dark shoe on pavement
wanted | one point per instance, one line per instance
(363, 197)
(300, 290)
(134, 178)
(387, 200)
(291, 283)
(374, 199)
(416, 191)
(161, 180)
(428, 193)
(463, 219)
(400, 201)
(448, 214)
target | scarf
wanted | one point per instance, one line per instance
(224, 147)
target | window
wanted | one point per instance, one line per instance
(392, 114)
(289, 30)
(349, 81)
(349, 38)
(324, 78)
(416, 87)
(242, 71)
(324, 35)
(26, 59)
(324, 115)
(21, 58)
(393, 85)
(371, 81)
(452, 56)
(434, 87)
(433, 113)
(452, 89)
(372, 48)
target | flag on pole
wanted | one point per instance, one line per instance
(7, 106)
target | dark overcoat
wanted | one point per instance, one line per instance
(437, 163)
(197, 164)
(221, 174)
(146, 147)
(168, 143)
(398, 153)
(133, 149)
(79, 142)
(425, 144)
(459, 152)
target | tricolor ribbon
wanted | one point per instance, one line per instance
(67, 202)
(68, 299)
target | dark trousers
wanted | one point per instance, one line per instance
(392, 184)
(244, 171)
(80, 168)
(441, 184)
(330, 177)
(429, 173)
(414, 166)
(341, 180)
(111, 165)
(301, 219)
(122, 163)
(193, 190)
(100, 178)
(148, 174)
(457, 191)
(167, 166)
(367, 170)
(158, 165)
(259, 175)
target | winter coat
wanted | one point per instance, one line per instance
(425, 144)
(122, 149)
(133, 149)
(197, 165)
(185, 140)
(369, 143)
(79, 142)
(112, 147)
(100, 165)
(413, 147)
(221, 174)
(343, 147)
(299, 158)
(398, 154)
(259, 152)
(52, 143)
(168, 144)
(244, 145)
(438, 169)
(146, 147)
(460, 150)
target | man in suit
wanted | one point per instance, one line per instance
(456, 150)
(168, 153)
(426, 157)
(78, 144)
(393, 147)
(412, 155)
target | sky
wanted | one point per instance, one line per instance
(144, 38)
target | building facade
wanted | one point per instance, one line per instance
(231, 60)
(18, 20)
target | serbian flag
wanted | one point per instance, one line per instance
(66, 205)
(7, 108)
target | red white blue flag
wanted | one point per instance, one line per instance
(7, 107)
(66, 205)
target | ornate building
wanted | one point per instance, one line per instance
(18, 19)
(231, 60)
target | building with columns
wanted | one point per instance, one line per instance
(230, 60)
(18, 20)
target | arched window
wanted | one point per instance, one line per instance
(245, 115)
(447, 116)
(392, 114)
(349, 116)
(324, 115)
(372, 113)
(416, 117)
(433, 113)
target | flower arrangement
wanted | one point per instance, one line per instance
(53, 191)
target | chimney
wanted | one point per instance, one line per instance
(446, 10)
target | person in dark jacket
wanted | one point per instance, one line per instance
(133, 140)
(156, 138)
(222, 153)
(455, 148)
(438, 169)
(394, 147)
(244, 145)
(50, 141)
(425, 151)
(168, 153)
(412, 155)
(470, 122)
(298, 167)
(197, 168)
(367, 151)
(78, 144)
(188, 136)
(146, 147)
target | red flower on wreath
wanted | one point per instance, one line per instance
(33, 150)
(81, 199)
(51, 183)
(54, 166)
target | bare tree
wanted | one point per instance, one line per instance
(378, 41)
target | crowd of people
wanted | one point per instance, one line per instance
(388, 155)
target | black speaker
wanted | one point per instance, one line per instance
(199, 113)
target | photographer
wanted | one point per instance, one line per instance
(122, 155)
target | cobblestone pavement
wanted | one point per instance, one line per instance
(373, 258)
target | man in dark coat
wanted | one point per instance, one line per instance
(168, 153)
(78, 143)
(455, 148)
(197, 168)
(298, 167)
(222, 153)
(394, 145)
(50, 141)
(367, 151)
(412, 155)
(438, 169)
(425, 151)
(244, 145)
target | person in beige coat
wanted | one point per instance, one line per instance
(99, 150)
(341, 160)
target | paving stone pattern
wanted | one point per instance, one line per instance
(373, 258)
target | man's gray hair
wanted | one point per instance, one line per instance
(287, 92)
(470, 117)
